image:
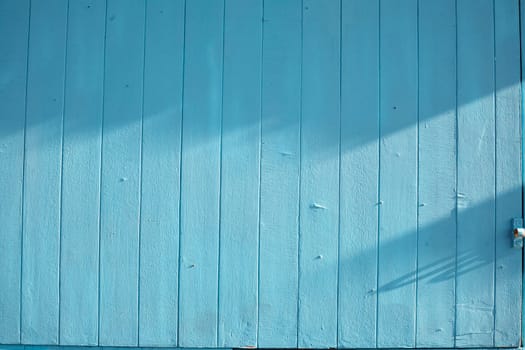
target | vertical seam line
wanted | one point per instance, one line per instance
(495, 168)
(300, 179)
(100, 175)
(141, 169)
(220, 177)
(181, 135)
(61, 195)
(339, 174)
(456, 183)
(24, 170)
(520, 341)
(378, 176)
(260, 171)
(417, 182)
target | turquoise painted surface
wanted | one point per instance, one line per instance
(294, 173)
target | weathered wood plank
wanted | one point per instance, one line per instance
(507, 331)
(159, 219)
(42, 175)
(476, 175)
(81, 174)
(281, 108)
(240, 161)
(121, 162)
(398, 174)
(319, 196)
(14, 19)
(359, 173)
(437, 174)
(200, 191)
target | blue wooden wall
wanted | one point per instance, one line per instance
(269, 173)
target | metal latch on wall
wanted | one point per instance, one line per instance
(518, 232)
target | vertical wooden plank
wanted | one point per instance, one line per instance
(281, 112)
(14, 19)
(507, 329)
(200, 189)
(41, 218)
(81, 174)
(437, 174)
(319, 202)
(359, 173)
(239, 220)
(398, 174)
(159, 250)
(476, 183)
(121, 152)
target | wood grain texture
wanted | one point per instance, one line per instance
(359, 174)
(14, 16)
(240, 162)
(278, 174)
(120, 174)
(81, 174)
(42, 174)
(280, 155)
(437, 174)
(319, 196)
(161, 155)
(200, 191)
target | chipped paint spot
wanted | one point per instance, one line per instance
(462, 200)
(285, 153)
